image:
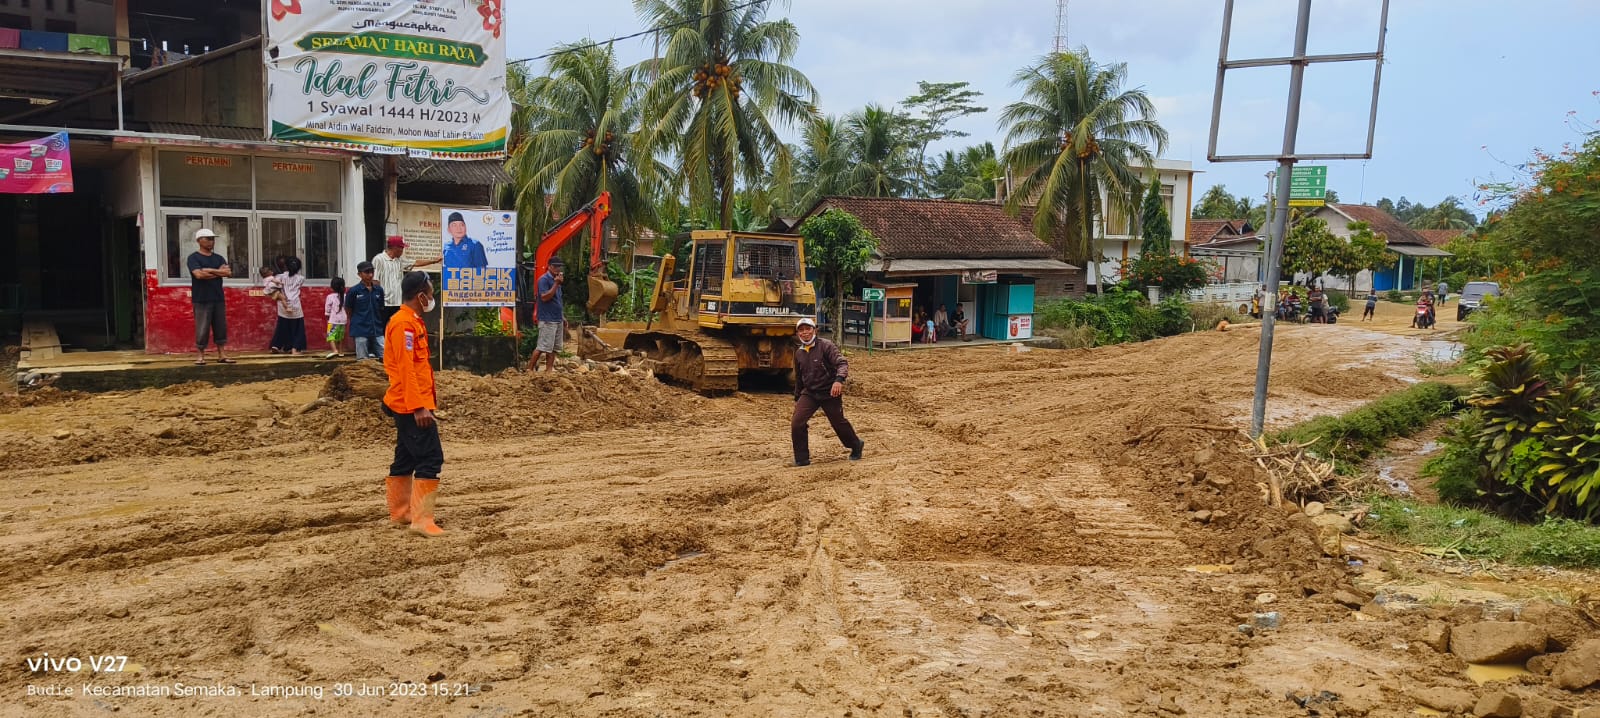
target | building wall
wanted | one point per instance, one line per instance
(169, 313)
(1116, 246)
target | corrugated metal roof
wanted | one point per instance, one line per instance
(474, 172)
(1418, 250)
(215, 132)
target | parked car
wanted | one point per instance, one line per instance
(1472, 297)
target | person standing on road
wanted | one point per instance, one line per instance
(365, 304)
(1444, 292)
(390, 269)
(551, 316)
(820, 371)
(413, 482)
(1372, 306)
(207, 269)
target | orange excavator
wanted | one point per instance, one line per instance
(602, 291)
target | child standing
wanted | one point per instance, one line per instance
(333, 306)
(1372, 304)
(290, 335)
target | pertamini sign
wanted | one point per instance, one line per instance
(420, 77)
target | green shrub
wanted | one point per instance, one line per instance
(1530, 444)
(1339, 300)
(1206, 315)
(1456, 470)
(1471, 533)
(1123, 314)
(1395, 296)
(1356, 434)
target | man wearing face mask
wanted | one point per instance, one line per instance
(820, 371)
(413, 482)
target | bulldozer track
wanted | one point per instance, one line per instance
(704, 363)
(720, 372)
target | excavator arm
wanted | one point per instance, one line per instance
(602, 291)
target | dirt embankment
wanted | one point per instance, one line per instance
(1064, 533)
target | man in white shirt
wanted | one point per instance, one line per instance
(389, 268)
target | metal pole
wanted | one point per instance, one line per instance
(1280, 220)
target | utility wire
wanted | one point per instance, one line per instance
(640, 33)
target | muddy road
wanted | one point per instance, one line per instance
(621, 548)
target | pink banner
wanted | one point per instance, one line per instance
(42, 166)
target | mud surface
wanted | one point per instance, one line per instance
(1019, 540)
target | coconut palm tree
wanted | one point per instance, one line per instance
(577, 131)
(1076, 133)
(970, 174)
(879, 154)
(820, 162)
(1448, 214)
(723, 80)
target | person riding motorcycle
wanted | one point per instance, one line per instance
(1425, 317)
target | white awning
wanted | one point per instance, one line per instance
(1018, 265)
(1417, 250)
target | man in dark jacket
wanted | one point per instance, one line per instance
(820, 371)
(365, 302)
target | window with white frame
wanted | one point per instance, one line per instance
(261, 208)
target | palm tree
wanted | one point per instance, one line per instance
(969, 175)
(879, 154)
(577, 127)
(723, 76)
(1448, 214)
(1075, 133)
(820, 162)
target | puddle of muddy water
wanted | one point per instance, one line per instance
(1411, 461)
(1482, 673)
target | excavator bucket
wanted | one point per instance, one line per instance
(602, 294)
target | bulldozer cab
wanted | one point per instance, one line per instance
(744, 278)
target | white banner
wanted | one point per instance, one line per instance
(420, 77)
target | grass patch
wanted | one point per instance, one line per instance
(1355, 435)
(1472, 533)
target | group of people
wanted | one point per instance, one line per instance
(929, 327)
(360, 311)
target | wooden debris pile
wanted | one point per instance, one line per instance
(1294, 474)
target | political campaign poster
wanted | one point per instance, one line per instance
(480, 257)
(42, 166)
(424, 78)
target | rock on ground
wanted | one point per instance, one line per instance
(1497, 641)
(1579, 668)
(1499, 704)
(1566, 626)
(1449, 700)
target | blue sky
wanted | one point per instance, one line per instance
(1468, 87)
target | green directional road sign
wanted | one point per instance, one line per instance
(871, 294)
(1308, 185)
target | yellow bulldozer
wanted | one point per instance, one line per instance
(730, 313)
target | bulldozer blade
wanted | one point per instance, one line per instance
(602, 294)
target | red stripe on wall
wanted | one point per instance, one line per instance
(169, 318)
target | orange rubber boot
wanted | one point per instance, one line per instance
(399, 491)
(424, 494)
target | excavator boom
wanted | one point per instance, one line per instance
(602, 291)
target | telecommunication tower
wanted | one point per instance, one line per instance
(1061, 25)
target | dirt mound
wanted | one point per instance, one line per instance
(1205, 474)
(1338, 383)
(206, 419)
